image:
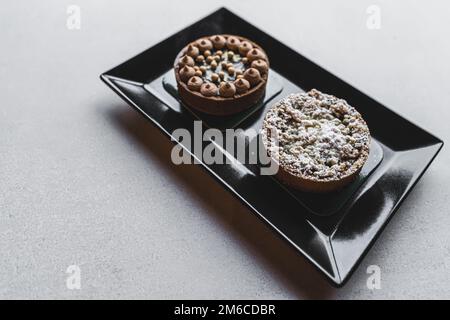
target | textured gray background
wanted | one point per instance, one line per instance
(85, 180)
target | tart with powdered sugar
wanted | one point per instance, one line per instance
(221, 74)
(319, 141)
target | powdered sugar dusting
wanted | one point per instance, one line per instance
(319, 136)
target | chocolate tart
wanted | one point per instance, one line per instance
(319, 142)
(221, 74)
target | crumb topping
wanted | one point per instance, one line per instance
(319, 136)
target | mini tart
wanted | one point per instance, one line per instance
(221, 61)
(319, 141)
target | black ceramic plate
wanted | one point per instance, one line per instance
(333, 231)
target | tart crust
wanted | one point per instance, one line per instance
(221, 103)
(319, 142)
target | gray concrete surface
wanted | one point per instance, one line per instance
(86, 181)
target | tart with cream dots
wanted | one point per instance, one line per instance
(221, 74)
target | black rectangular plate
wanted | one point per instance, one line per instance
(332, 232)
